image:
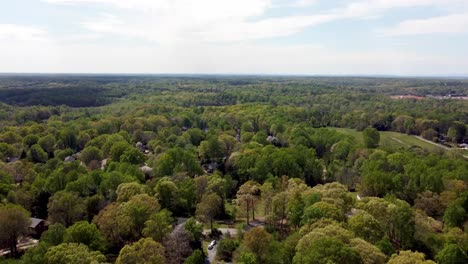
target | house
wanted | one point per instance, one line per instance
(11, 160)
(37, 227)
(147, 170)
(69, 159)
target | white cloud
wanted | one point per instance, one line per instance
(372, 8)
(23, 33)
(200, 21)
(224, 21)
(450, 24)
(233, 58)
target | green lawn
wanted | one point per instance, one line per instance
(393, 139)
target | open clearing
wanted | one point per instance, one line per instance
(394, 139)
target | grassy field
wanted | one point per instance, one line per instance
(392, 139)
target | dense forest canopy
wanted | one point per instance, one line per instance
(277, 169)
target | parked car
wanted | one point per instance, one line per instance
(212, 244)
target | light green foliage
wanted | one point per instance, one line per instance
(158, 225)
(126, 191)
(73, 253)
(118, 149)
(369, 253)
(194, 229)
(177, 160)
(145, 251)
(320, 210)
(325, 250)
(364, 225)
(409, 257)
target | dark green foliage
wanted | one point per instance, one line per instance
(37, 154)
(226, 248)
(451, 254)
(196, 258)
(371, 137)
(232, 149)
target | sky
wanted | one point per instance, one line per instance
(299, 37)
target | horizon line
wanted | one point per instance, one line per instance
(462, 76)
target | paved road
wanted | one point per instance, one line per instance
(432, 142)
(212, 254)
(438, 145)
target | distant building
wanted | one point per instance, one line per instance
(69, 159)
(37, 227)
(147, 170)
(11, 160)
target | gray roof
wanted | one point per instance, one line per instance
(35, 222)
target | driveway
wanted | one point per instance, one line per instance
(212, 252)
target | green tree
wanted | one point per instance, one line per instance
(369, 253)
(247, 258)
(320, 210)
(127, 190)
(90, 153)
(66, 208)
(208, 208)
(138, 209)
(6, 151)
(194, 229)
(247, 195)
(54, 234)
(257, 241)
(366, 226)
(324, 250)
(85, 233)
(132, 156)
(451, 254)
(73, 253)
(37, 154)
(211, 149)
(30, 140)
(145, 251)
(454, 215)
(68, 138)
(371, 137)
(118, 149)
(158, 225)
(196, 258)
(225, 249)
(409, 257)
(14, 222)
(47, 143)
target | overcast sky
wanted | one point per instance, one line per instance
(331, 37)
